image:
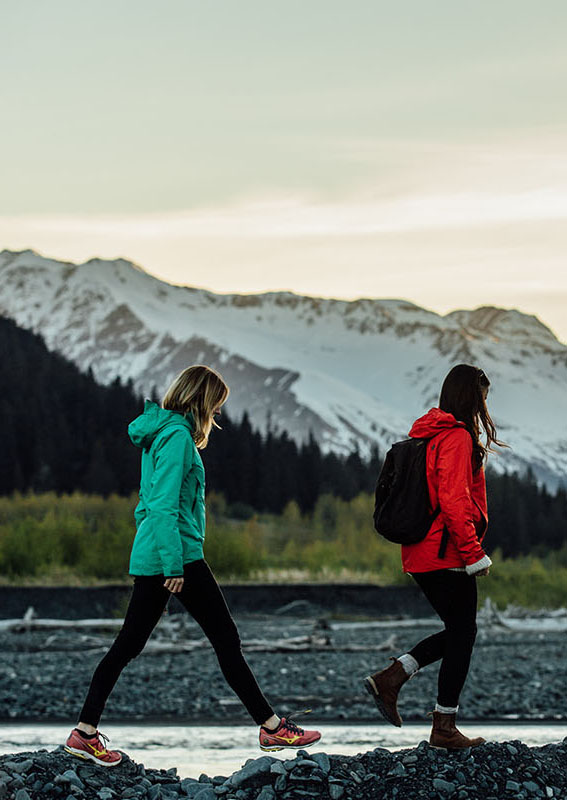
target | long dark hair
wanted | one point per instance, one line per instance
(463, 395)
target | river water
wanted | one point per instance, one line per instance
(195, 749)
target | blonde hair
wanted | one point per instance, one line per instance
(198, 391)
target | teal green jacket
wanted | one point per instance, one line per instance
(170, 517)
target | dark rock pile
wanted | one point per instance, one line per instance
(491, 772)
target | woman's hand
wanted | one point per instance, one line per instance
(482, 572)
(173, 585)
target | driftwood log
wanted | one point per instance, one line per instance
(172, 637)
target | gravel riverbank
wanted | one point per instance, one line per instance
(491, 772)
(299, 661)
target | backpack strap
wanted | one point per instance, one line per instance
(444, 540)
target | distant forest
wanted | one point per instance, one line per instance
(62, 432)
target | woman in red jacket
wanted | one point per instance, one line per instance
(446, 563)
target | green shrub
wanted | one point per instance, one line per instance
(83, 538)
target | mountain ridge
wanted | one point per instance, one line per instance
(352, 372)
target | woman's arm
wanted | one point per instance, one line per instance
(172, 458)
(454, 469)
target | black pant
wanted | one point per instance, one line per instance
(202, 597)
(453, 596)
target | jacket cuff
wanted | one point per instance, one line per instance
(484, 562)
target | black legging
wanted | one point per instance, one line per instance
(453, 596)
(202, 597)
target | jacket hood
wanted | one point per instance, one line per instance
(434, 422)
(154, 419)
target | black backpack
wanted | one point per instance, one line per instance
(402, 511)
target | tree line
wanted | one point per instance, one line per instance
(63, 432)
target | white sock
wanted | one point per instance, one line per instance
(273, 723)
(446, 709)
(409, 664)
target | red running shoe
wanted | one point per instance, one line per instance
(93, 748)
(287, 735)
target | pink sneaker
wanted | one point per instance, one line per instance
(93, 748)
(288, 735)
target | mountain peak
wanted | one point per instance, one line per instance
(499, 322)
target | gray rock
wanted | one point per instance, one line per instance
(267, 793)
(311, 778)
(192, 789)
(250, 770)
(277, 768)
(206, 793)
(336, 790)
(398, 770)
(186, 782)
(14, 767)
(512, 786)
(531, 787)
(154, 792)
(445, 787)
(280, 783)
(70, 776)
(21, 794)
(323, 762)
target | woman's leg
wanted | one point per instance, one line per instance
(202, 597)
(453, 595)
(146, 606)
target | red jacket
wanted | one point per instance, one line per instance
(460, 493)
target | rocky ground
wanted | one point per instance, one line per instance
(45, 674)
(491, 771)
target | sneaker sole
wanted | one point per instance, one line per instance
(89, 757)
(372, 690)
(271, 749)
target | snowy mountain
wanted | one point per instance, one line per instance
(352, 372)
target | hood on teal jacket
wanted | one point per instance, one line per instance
(170, 517)
(154, 419)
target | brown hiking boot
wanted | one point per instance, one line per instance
(384, 687)
(446, 734)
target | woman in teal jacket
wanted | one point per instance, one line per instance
(167, 557)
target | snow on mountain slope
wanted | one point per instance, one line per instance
(352, 372)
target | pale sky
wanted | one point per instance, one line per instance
(413, 149)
